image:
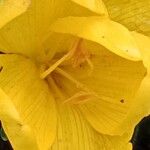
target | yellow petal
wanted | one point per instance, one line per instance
(144, 46)
(20, 80)
(104, 94)
(141, 106)
(10, 9)
(142, 103)
(26, 33)
(19, 134)
(76, 134)
(94, 5)
(134, 14)
(110, 34)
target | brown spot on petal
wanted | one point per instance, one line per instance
(1, 68)
(2, 52)
(122, 101)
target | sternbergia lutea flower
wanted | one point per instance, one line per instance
(73, 76)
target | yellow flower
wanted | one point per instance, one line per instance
(71, 78)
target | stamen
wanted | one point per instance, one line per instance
(54, 66)
(65, 57)
(76, 82)
(78, 98)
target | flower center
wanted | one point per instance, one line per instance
(77, 55)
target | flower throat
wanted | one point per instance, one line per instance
(77, 55)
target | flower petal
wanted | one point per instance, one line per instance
(110, 88)
(144, 46)
(10, 9)
(94, 5)
(142, 103)
(110, 34)
(26, 33)
(30, 95)
(19, 134)
(76, 134)
(134, 14)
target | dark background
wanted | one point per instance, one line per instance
(4, 145)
